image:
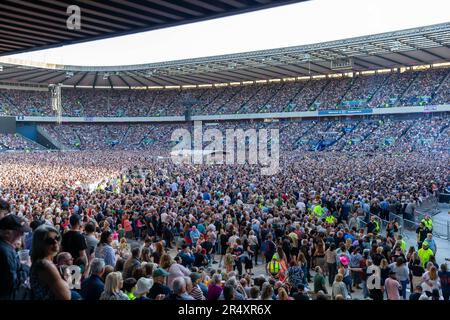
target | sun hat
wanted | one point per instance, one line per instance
(143, 285)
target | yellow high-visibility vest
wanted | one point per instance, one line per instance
(318, 210)
(428, 223)
(274, 266)
(424, 256)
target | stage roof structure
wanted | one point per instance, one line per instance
(405, 48)
(34, 25)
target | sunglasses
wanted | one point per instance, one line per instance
(51, 241)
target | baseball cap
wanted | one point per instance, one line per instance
(195, 276)
(13, 222)
(160, 273)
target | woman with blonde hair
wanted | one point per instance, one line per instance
(283, 296)
(431, 279)
(124, 248)
(113, 288)
(339, 287)
(384, 270)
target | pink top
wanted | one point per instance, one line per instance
(392, 288)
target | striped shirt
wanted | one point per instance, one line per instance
(197, 293)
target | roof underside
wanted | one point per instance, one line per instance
(425, 45)
(31, 25)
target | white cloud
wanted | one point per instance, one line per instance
(298, 24)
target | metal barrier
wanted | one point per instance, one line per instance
(441, 229)
(400, 221)
(428, 206)
(361, 223)
(410, 226)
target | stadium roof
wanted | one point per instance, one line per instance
(419, 46)
(32, 25)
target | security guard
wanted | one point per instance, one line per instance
(318, 211)
(424, 254)
(330, 219)
(274, 266)
(428, 223)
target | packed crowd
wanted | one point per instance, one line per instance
(120, 225)
(410, 88)
(366, 135)
(17, 142)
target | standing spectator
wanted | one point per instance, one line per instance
(331, 262)
(431, 279)
(416, 271)
(424, 254)
(73, 241)
(45, 280)
(132, 263)
(392, 287)
(269, 248)
(339, 288)
(431, 243)
(13, 272)
(91, 239)
(194, 235)
(104, 249)
(295, 274)
(421, 232)
(444, 278)
(319, 281)
(401, 273)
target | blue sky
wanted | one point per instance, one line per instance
(297, 24)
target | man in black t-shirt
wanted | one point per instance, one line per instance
(73, 240)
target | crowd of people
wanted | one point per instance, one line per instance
(124, 225)
(10, 141)
(410, 88)
(417, 134)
